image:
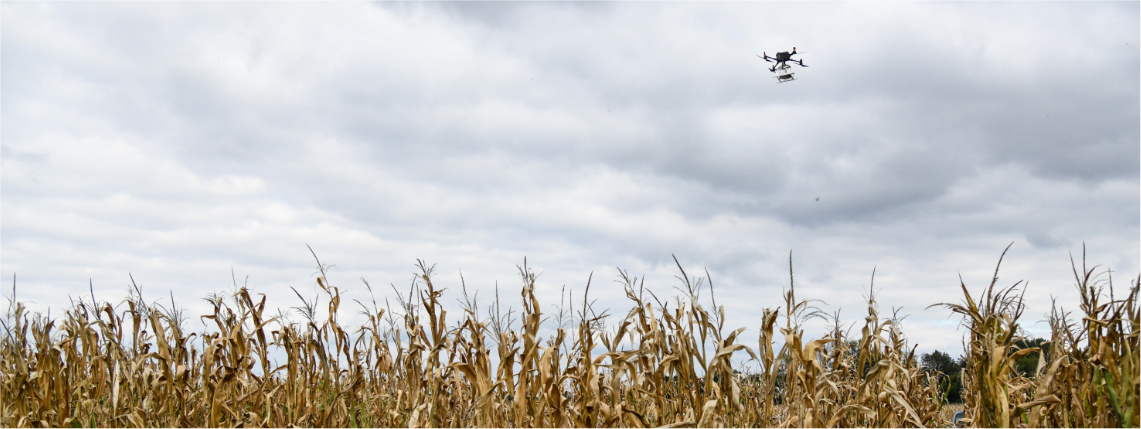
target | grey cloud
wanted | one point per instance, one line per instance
(581, 135)
(25, 157)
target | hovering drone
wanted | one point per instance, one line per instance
(781, 67)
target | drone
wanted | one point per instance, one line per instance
(781, 67)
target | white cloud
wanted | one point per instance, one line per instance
(175, 141)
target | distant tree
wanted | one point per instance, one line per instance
(939, 361)
(948, 373)
(1028, 365)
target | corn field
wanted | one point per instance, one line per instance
(667, 363)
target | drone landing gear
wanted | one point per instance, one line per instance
(784, 73)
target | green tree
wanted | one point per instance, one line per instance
(949, 373)
(939, 361)
(1028, 365)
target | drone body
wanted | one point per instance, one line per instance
(781, 67)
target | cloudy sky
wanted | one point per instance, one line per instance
(186, 144)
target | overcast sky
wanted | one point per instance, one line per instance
(176, 142)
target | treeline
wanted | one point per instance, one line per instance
(948, 371)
